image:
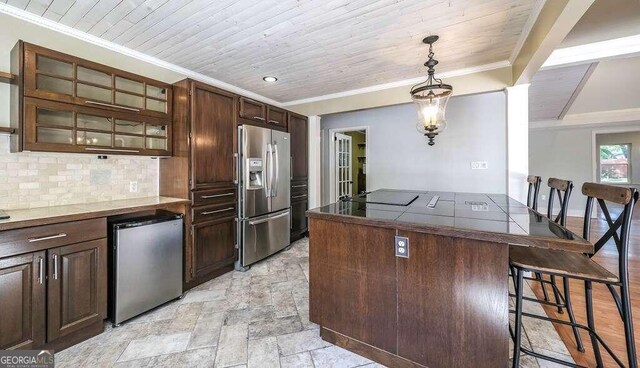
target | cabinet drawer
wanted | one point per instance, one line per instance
(208, 213)
(214, 196)
(36, 238)
(296, 197)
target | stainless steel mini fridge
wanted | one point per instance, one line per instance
(146, 263)
(264, 188)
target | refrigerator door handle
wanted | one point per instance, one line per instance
(258, 222)
(268, 164)
(277, 161)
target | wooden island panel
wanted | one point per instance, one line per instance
(453, 302)
(353, 290)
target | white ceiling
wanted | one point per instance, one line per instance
(605, 20)
(314, 47)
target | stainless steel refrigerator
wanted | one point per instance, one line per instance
(264, 200)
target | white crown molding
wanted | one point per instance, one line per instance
(593, 119)
(528, 26)
(594, 51)
(401, 83)
(66, 30)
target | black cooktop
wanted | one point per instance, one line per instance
(390, 197)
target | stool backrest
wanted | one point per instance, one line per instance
(563, 189)
(620, 227)
(534, 189)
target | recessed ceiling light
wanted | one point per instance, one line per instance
(269, 79)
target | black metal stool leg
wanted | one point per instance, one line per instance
(518, 332)
(591, 323)
(628, 327)
(572, 318)
(544, 289)
(556, 294)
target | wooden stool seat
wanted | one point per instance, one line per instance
(559, 263)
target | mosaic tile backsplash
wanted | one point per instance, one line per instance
(41, 179)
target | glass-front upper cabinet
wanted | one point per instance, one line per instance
(59, 77)
(60, 127)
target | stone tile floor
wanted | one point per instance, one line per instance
(255, 319)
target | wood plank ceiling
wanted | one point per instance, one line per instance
(314, 47)
(553, 90)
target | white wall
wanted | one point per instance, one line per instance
(399, 156)
(566, 153)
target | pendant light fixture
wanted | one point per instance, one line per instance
(431, 97)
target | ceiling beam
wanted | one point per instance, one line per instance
(555, 21)
(578, 89)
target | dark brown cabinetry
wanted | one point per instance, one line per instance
(298, 128)
(77, 296)
(56, 295)
(22, 301)
(61, 103)
(260, 114)
(203, 168)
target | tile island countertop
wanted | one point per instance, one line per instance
(473, 215)
(46, 215)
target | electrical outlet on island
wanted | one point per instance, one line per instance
(133, 187)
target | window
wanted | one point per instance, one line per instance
(615, 165)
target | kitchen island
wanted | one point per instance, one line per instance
(420, 279)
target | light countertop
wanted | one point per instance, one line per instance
(54, 214)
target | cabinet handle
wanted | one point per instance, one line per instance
(40, 270)
(299, 186)
(299, 196)
(111, 105)
(48, 237)
(216, 211)
(55, 266)
(110, 150)
(235, 168)
(259, 118)
(215, 195)
(274, 122)
(291, 168)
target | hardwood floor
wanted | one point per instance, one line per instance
(608, 323)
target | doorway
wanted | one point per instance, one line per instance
(348, 164)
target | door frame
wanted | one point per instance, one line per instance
(332, 155)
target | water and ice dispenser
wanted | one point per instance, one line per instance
(256, 173)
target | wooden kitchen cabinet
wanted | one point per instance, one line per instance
(203, 169)
(214, 245)
(213, 137)
(276, 118)
(61, 103)
(60, 127)
(252, 110)
(22, 301)
(298, 128)
(77, 287)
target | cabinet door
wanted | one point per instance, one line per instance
(77, 287)
(213, 137)
(22, 301)
(214, 245)
(298, 217)
(298, 131)
(277, 117)
(252, 110)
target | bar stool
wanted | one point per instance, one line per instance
(532, 193)
(572, 265)
(561, 189)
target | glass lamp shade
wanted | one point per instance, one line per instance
(431, 112)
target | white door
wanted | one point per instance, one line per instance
(343, 173)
